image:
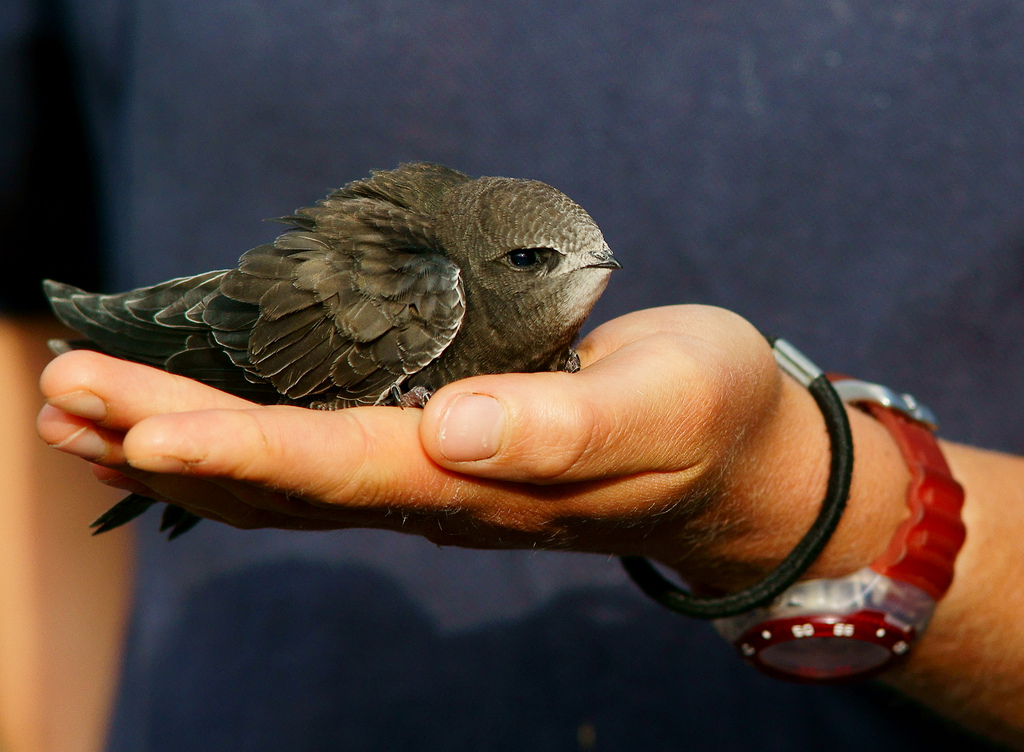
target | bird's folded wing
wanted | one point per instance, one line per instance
(146, 325)
(352, 309)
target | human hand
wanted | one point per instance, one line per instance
(666, 444)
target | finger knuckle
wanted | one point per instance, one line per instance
(568, 443)
(348, 453)
(254, 439)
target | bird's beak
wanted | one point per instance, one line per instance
(603, 260)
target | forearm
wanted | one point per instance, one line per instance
(63, 595)
(969, 665)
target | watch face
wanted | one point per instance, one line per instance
(825, 647)
(824, 657)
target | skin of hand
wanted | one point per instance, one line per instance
(663, 445)
(679, 439)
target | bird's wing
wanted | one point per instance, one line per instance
(415, 186)
(162, 326)
(349, 311)
(126, 324)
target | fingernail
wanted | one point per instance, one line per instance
(83, 404)
(472, 428)
(85, 444)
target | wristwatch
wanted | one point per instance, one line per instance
(832, 630)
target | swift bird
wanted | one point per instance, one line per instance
(381, 293)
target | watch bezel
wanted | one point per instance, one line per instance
(864, 607)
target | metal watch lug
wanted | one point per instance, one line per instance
(803, 369)
(855, 390)
(794, 362)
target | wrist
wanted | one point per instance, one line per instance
(775, 490)
(850, 624)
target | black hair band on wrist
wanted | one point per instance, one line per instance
(651, 581)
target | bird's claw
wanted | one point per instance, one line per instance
(415, 397)
(126, 510)
(572, 362)
(176, 519)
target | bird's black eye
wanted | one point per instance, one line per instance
(523, 258)
(528, 258)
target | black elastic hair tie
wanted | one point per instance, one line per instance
(651, 581)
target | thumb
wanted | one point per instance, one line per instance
(665, 403)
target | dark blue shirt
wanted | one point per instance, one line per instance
(845, 173)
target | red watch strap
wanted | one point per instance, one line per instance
(925, 546)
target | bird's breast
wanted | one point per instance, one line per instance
(485, 346)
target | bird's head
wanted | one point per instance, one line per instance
(529, 246)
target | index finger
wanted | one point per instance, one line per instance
(118, 394)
